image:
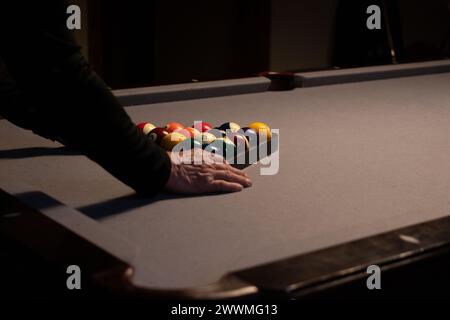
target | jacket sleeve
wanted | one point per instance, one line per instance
(47, 86)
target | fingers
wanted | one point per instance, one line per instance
(225, 186)
(215, 160)
(239, 172)
(230, 176)
(230, 168)
(217, 176)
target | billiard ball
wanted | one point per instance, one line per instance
(188, 144)
(146, 127)
(222, 146)
(173, 126)
(230, 126)
(207, 138)
(247, 129)
(171, 140)
(251, 135)
(189, 132)
(157, 135)
(218, 133)
(214, 148)
(229, 146)
(202, 126)
(261, 129)
(239, 139)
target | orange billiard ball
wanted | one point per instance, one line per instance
(173, 126)
(190, 132)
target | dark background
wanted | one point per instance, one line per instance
(140, 43)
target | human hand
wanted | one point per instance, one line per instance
(210, 173)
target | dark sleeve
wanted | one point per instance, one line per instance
(47, 86)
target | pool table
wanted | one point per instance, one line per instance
(363, 178)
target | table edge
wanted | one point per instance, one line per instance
(282, 277)
(337, 76)
(188, 91)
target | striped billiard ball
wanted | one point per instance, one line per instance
(146, 127)
(157, 135)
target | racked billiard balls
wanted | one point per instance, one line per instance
(171, 140)
(157, 134)
(146, 127)
(202, 126)
(261, 129)
(173, 126)
(230, 126)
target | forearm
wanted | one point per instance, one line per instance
(53, 91)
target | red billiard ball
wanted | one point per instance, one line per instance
(202, 126)
(157, 135)
(146, 127)
(173, 126)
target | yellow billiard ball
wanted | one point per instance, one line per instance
(260, 128)
(171, 140)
